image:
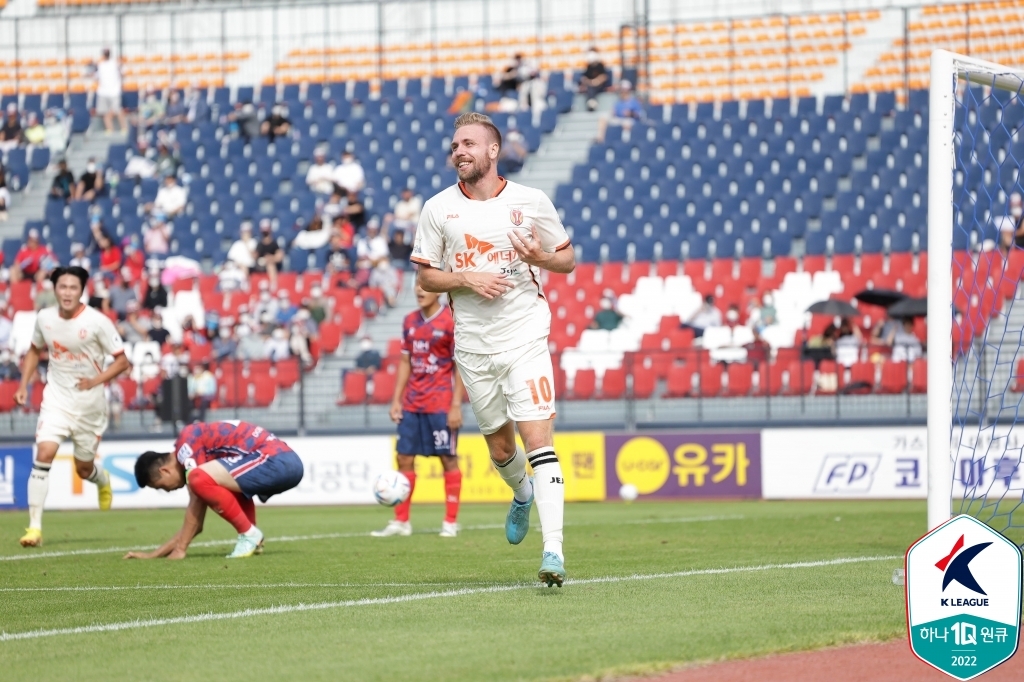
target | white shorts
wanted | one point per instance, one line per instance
(84, 431)
(517, 385)
(107, 105)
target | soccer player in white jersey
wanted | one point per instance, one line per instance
(484, 241)
(78, 339)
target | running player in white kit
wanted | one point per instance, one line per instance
(78, 338)
(484, 241)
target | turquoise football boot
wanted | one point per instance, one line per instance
(552, 569)
(517, 523)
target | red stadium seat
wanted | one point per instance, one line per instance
(740, 378)
(286, 373)
(353, 388)
(776, 380)
(862, 374)
(264, 391)
(645, 380)
(584, 384)
(383, 387)
(668, 324)
(330, 336)
(801, 377)
(7, 389)
(668, 268)
(919, 383)
(894, 377)
(351, 320)
(825, 369)
(812, 264)
(19, 297)
(680, 380)
(710, 380)
(613, 385)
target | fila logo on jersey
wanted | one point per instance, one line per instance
(516, 216)
(957, 567)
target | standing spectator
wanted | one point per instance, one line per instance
(78, 257)
(34, 260)
(405, 216)
(58, 130)
(11, 131)
(706, 316)
(509, 78)
(595, 79)
(369, 360)
(63, 186)
(400, 251)
(110, 256)
(5, 194)
(320, 176)
(243, 249)
(122, 294)
(170, 199)
(9, 370)
(277, 124)
(156, 235)
(625, 113)
(156, 294)
(108, 93)
(349, 174)
(196, 108)
(202, 390)
(90, 183)
(268, 253)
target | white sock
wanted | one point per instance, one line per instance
(99, 475)
(513, 472)
(549, 487)
(38, 485)
(252, 532)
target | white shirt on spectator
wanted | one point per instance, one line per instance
(108, 78)
(171, 199)
(373, 248)
(241, 252)
(409, 211)
(349, 176)
(320, 177)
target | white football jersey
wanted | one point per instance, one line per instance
(459, 234)
(77, 348)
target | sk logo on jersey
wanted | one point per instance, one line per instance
(476, 247)
(516, 216)
(478, 244)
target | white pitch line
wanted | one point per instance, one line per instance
(335, 536)
(236, 586)
(320, 606)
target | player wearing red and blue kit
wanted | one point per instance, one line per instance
(427, 406)
(225, 464)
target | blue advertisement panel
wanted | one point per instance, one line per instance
(15, 466)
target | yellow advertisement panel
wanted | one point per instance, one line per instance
(581, 455)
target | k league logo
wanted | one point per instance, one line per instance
(963, 597)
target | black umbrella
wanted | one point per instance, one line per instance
(880, 297)
(833, 307)
(909, 307)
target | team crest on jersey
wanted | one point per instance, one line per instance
(82, 333)
(516, 216)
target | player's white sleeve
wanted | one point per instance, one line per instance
(109, 338)
(37, 335)
(553, 236)
(429, 246)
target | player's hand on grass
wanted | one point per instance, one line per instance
(487, 284)
(176, 554)
(455, 417)
(527, 245)
(21, 396)
(396, 412)
(141, 555)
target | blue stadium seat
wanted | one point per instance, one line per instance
(244, 94)
(885, 103)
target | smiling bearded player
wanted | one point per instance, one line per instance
(484, 241)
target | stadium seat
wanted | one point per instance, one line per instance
(383, 387)
(353, 388)
(613, 384)
(679, 381)
(583, 384)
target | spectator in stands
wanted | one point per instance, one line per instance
(9, 370)
(156, 295)
(513, 152)
(342, 244)
(170, 199)
(1011, 226)
(706, 316)
(11, 131)
(243, 250)
(277, 124)
(884, 331)
(34, 133)
(90, 183)
(57, 124)
(45, 297)
(595, 78)
(405, 216)
(151, 110)
(400, 251)
(511, 76)
(224, 346)
(134, 260)
(143, 164)
(313, 237)
(285, 308)
(250, 344)
(108, 93)
(847, 343)
(196, 108)
(134, 328)
(320, 176)
(625, 113)
(298, 339)
(277, 347)
(5, 194)
(176, 111)
(122, 294)
(349, 174)
(268, 253)
(156, 330)
(762, 316)
(78, 257)
(34, 260)
(156, 235)
(63, 186)
(110, 256)
(355, 211)
(607, 318)
(167, 159)
(369, 360)
(244, 120)
(316, 304)
(371, 247)
(100, 299)
(230, 277)
(266, 304)
(202, 390)
(732, 316)
(6, 325)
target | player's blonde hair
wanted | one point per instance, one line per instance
(473, 118)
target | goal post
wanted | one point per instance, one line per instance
(970, 415)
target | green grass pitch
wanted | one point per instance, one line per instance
(352, 607)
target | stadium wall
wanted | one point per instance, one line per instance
(823, 463)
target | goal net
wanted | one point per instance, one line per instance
(975, 320)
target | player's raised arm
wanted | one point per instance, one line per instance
(546, 244)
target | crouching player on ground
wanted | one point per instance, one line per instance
(224, 465)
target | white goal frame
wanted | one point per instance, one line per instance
(947, 68)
